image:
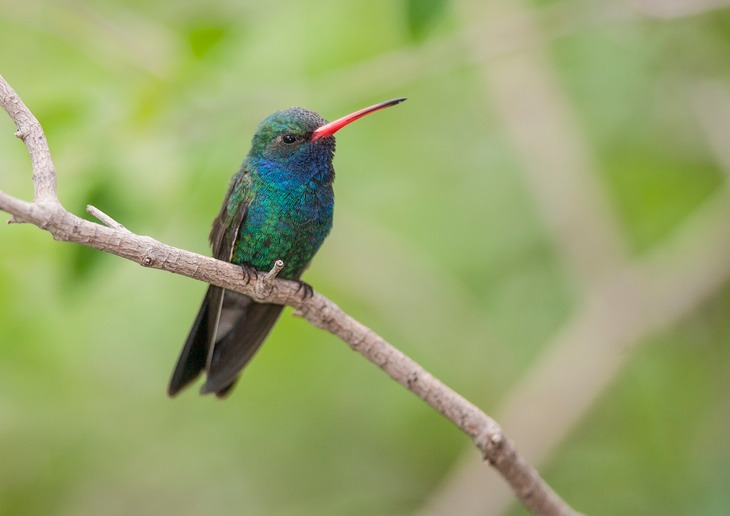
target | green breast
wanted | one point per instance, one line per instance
(284, 225)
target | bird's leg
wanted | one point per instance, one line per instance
(248, 272)
(306, 287)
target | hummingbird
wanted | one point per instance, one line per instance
(279, 206)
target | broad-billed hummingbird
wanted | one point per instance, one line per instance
(278, 207)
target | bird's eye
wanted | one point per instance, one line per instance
(289, 138)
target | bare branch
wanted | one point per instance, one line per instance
(30, 131)
(47, 213)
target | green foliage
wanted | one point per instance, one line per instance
(439, 245)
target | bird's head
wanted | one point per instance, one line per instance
(299, 141)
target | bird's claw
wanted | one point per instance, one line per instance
(248, 272)
(308, 291)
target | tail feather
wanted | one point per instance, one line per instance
(238, 325)
(237, 347)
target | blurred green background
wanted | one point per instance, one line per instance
(544, 225)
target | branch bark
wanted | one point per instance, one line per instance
(47, 213)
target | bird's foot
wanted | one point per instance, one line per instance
(248, 272)
(307, 289)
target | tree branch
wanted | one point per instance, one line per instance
(47, 213)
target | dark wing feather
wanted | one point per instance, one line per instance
(224, 233)
(199, 344)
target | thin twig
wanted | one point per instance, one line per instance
(103, 217)
(273, 273)
(47, 213)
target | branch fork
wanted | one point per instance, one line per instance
(104, 218)
(265, 283)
